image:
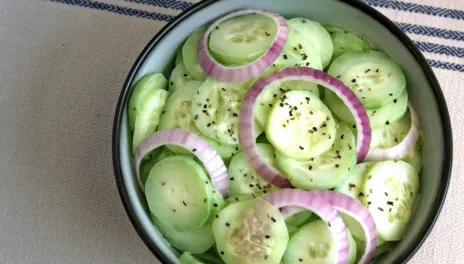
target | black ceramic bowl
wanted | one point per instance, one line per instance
(423, 88)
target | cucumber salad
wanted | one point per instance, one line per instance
(277, 141)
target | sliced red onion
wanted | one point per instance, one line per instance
(402, 149)
(351, 207)
(198, 146)
(247, 117)
(247, 72)
(313, 202)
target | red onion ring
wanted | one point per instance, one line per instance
(315, 203)
(402, 149)
(247, 117)
(352, 207)
(247, 72)
(198, 146)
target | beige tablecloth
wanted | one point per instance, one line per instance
(62, 65)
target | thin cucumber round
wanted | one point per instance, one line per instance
(244, 180)
(300, 125)
(345, 40)
(298, 219)
(148, 115)
(196, 241)
(188, 258)
(242, 39)
(393, 133)
(190, 55)
(216, 107)
(179, 57)
(148, 83)
(269, 96)
(298, 51)
(378, 118)
(317, 35)
(313, 244)
(180, 76)
(152, 159)
(325, 171)
(239, 198)
(392, 189)
(250, 232)
(179, 193)
(178, 114)
(374, 77)
(353, 181)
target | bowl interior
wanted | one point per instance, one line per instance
(161, 59)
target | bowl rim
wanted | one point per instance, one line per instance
(363, 7)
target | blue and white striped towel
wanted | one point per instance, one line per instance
(62, 64)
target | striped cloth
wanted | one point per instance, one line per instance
(62, 66)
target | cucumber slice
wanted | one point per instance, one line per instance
(180, 76)
(190, 55)
(239, 198)
(268, 97)
(298, 51)
(378, 117)
(148, 83)
(147, 165)
(391, 189)
(298, 219)
(211, 256)
(216, 107)
(179, 57)
(148, 115)
(313, 243)
(345, 40)
(317, 35)
(390, 135)
(373, 76)
(242, 39)
(383, 248)
(179, 193)
(300, 125)
(250, 232)
(244, 180)
(178, 114)
(187, 258)
(195, 241)
(353, 182)
(326, 170)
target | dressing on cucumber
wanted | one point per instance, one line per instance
(148, 115)
(345, 40)
(250, 232)
(393, 133)
(324, 171)
(374, 77)
(391, 189)
(378, 117)
(180, 76)
(178, 114)
(179, 193)
(197, 240)
(146, 84)
(317, 35)
(216, 107)
(190, 55)
(268, 97)
(300, 125)
(313, 244)
(244, 180)
(298, 51)
(241, 40)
